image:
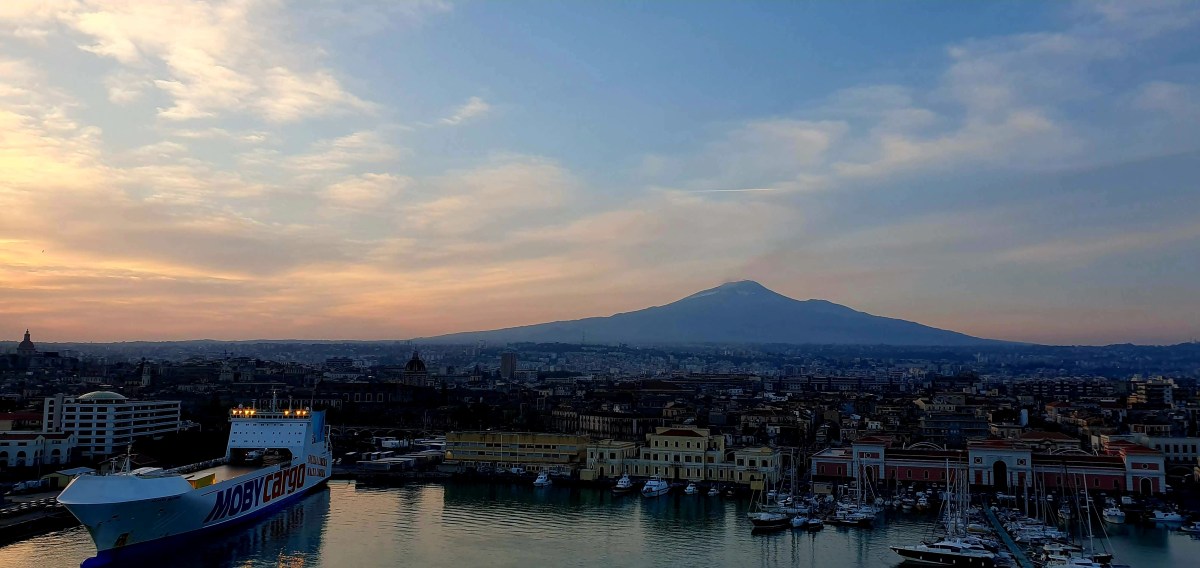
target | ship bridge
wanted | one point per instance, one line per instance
(257, 429)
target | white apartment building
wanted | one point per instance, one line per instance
(105, 423)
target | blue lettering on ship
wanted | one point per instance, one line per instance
(248, 495)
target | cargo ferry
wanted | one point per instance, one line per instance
(133, 511)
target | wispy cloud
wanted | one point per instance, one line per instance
(474, 108)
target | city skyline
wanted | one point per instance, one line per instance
(313, 170)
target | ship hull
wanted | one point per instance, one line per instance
(141, 553)
(128, 524)
(936, 558)
(130, 512)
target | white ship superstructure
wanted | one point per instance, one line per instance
(130, 510)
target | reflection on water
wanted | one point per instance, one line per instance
(498, 526)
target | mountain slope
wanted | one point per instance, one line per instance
(737, 312)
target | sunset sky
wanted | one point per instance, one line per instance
(380, 170)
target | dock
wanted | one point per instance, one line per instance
(1017, 553)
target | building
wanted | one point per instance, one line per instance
(10, 421)
(1155, 392)
(685, 453)
(531, 451)
(609, 458)
(998, 465)
(105, 423)
(26, 347)
(415, 374)
(63, 477)
(31, 449)
(508, 365)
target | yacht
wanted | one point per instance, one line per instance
(922, 503)
(691, 489)
(543, 480)
(948, 553)
(1193, 528)
(623, 486)
(1166, 517)
(713, 491)
(655, 487)
(1113, 514)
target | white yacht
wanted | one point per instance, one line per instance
(713, 491)
(624, 485)
(543, 480)
(1166, 517)
(691, 489)
(1113, 514)
(655, 487)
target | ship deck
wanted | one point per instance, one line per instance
(223, 472)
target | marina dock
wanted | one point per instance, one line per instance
(1017, 552)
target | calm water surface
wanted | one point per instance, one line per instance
(498, 526)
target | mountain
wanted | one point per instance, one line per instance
(737, 312)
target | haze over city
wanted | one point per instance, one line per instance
(372, 170)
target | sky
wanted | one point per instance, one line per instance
(386, 170)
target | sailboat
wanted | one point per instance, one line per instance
(1087, 556)
(953, 549)
(767, 517)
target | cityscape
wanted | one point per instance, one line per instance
(436, 283)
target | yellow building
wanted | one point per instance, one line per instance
(608, 458)
(694, 454)
(531, 451)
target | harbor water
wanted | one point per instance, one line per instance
(498, 526)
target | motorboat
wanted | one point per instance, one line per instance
(655, 487)
(516, 470)
(922, 503)
(1166, 517)
(948, 553)
(713, 491)
(1193, 528)
(543, 480)
(623, 486)
(807, 523)
(691, 489)
(1113, 514)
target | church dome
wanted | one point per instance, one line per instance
(415, 365)
(26, 346)
(102, 396)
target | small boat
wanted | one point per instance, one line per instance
(543, 480)
(768, 520)
(623, 486)
(807, 523)
(1166, 517)
(713, 491)
(1193, 528)
(655, 487)
(922, 503)
(1113, 514)
(691, 489)
(516, 470)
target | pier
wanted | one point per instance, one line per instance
(1018, 554)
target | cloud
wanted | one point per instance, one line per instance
(367, 192)
(210, 58)
(344, 152)
(475, 107)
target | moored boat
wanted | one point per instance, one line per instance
(691, 489)
(655, 487)
(623, 486)
(132, 511)
(543, 480)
